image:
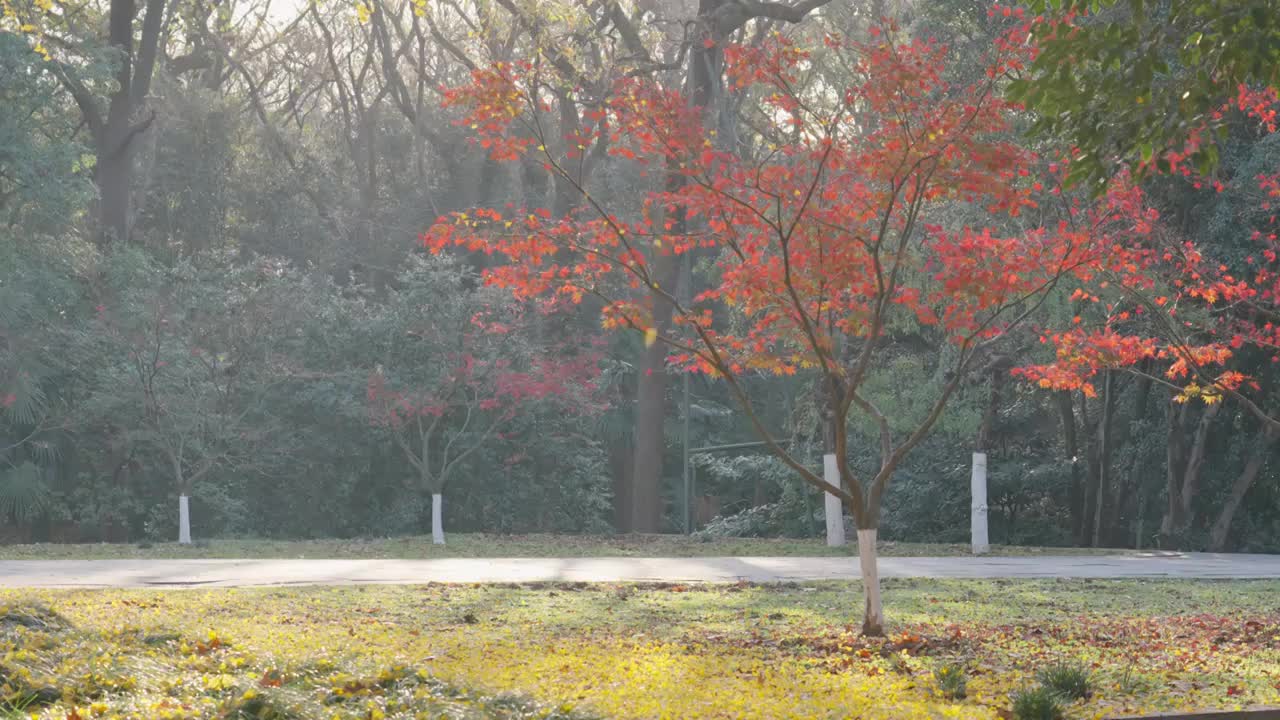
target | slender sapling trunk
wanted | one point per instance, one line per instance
(834, 508)
(873, 611)
(184, 521)
(437, 519)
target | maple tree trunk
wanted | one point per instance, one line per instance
(1257, 460)
(873, 609)
(437, 519)
(833, 513)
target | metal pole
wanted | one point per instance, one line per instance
(735, 446)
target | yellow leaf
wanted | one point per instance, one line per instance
(650, 337)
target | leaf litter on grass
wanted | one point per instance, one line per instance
(637, 651)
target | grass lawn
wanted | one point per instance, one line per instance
(626, 651)
(478, 545)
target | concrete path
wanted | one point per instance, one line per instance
(237, 573)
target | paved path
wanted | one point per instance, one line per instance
(233, 573)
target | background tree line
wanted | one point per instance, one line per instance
(211, 284)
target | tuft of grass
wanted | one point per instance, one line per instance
(953, 680)
(256, 704)
(1038, 703)
(1070, 681)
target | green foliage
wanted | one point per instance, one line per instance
(738, 480)
(43, 181)
(24, 494)
(1070, 680)
(1038, 703)
(266, 362)
(1138, 78)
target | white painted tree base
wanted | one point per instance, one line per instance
(184, 521)
(437, 519)
(978, 514)
(873, 611)
(833, 508)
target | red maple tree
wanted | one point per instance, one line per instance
(485, 368)
(1198, 320)
(1160, 297)
(841, 224)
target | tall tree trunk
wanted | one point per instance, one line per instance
(1089, 497)
(1257, 460)
(1195, 463)
(651, 406)
(1104, 453)
(115, 134)
(1127, 484)
(113, 175)
(701, 82)
(1175, 462)
(1075, 495)
(622, 463)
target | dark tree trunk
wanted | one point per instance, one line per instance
(1089, 496)
(113, 175)
(1123, 503)
(702, 80)
(1075, 495)
(621, 463)
(985, 430)
(1257, 460)
(1104, 454)
(651, 405)
(114, 136)
(1195, 463)
(1175, 462)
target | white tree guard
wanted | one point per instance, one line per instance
(437, 518)
(978, 514)
(834, 507)
(184, 520)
